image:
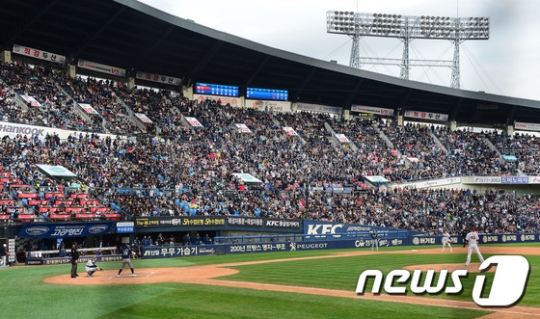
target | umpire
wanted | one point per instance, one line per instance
(74, 260)
(464, 237)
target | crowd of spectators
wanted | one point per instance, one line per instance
(525, 149)
(430, 211)
(174, 168)
(46, 104)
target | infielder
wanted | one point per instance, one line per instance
(446, 240)
(472, 239)
(126, 260)
(374, 240)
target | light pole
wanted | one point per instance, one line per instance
(406, 29)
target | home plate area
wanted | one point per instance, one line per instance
(143, 276)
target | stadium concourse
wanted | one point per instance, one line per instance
(166, 167)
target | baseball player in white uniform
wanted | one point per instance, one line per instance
(446, 240)
(91, 267)
(472, 238)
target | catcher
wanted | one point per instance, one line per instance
(91, 267)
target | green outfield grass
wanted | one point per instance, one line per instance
(25, 295)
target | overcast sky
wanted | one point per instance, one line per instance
(506, 64)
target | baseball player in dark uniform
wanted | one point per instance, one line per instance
(74, 260)
(126, 260)
(464, 236)
(374, 240)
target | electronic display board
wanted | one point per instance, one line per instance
(216, 89)
(267, 94)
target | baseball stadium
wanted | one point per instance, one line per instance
(236, 180)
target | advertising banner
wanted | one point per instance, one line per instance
(11, 249)
(427, 115)
(143, 118)
(318, 108)
(514, 179)
(282, 223)
(245, 221)
(98, 67)
(526, 126)
(312, 245)
(158, 78)
(67, 260)
(39, 54)
(64, 230)
(487, 179)
(125, 227)
(289, 131)
(372, 110)
(178, 251)
(242, 128)
(88, 108)
(267, 105)
(223, 100)
(164, 222)
(432, 183)
(341, 138)
(484, 239)
(30, 100)
(193, 121)
(315, 227)
(12, 129)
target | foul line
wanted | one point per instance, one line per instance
(147, 276)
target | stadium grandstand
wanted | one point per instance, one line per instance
(106, 116)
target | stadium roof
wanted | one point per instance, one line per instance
(136, 37)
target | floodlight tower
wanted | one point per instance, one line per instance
(406, 29)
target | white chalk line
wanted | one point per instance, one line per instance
(147, 276)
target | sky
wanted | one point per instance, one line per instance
(507, 64)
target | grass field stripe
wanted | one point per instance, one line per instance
(382, 298)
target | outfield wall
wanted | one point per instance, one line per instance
(308, 242)
(252, 244)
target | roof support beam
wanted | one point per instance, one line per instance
(254, 74)
(303, 85)
(353, 93)
(146, 52)
(455, 111)
(404, 101)
(28, 24)
(96, 34)
(512, 115)
(211, 53)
